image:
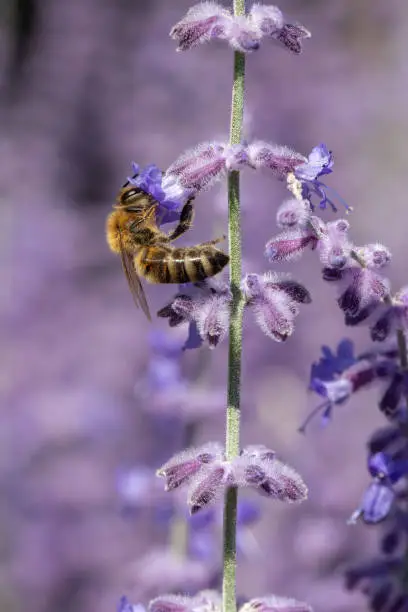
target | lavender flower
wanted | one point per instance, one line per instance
(281, 160)
(202, 22)
(125, 606)
(181, 468)
(269, 476)
(319, 163)
(274, 299)
(150, 180)
(272, 603)
(209, 21)
(206, 307)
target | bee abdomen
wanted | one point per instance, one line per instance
(183, 265)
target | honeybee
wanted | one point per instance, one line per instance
(145, 250)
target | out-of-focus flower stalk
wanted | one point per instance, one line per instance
(178, 533)
(235, 331)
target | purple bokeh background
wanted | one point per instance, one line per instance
(98, 85)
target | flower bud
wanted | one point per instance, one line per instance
(170, 603)
(290, 245)
(376, 504)
(375, 256)
(279, 159)
(293, 213)
(199, 167)
(244, 36)
(181, 468)
(268, 475)
(273, 299)
(273, 603)
(202, 23)
(209, 485)
(269, 19)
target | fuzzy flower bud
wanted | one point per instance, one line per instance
(203, 22)
(206, 309)
(290, 244)
(181, 468)
(244, 36)
(281, 160)
(273, 299)
(293, 213)
(209, 484)
(269, 19)
(334, 247)
(365, 290)
(273, 603)
(270, 22)
(269, 476)
(392, 317)
(169, 603)
(375, 256)
(198, 168)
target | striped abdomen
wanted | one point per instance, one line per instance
(166, 264)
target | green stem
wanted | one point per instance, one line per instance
(235, 332)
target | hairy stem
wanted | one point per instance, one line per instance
(235, 332)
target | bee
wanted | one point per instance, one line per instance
(132, 231)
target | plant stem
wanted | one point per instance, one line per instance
(235, 332)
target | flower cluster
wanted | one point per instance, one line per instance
(273, 298)
(382, 578)
(210, 21)
(211, 601)
(208, 474)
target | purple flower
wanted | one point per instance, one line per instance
(202, 23)
(273, 298)
(319, 163)
(268, 475)
(270, 21)
(273, 603)
(393, 316)
(184, 466)
(293, 213)
(385, 467)
(332, 363)
(125, 606)
(376, 503)
(281, 160)
(150, 180)
(206, 307)
(198, 168)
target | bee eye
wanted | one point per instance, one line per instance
(130, 195)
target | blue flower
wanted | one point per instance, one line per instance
(320, 162)
(333, 363)
(384, 467)
(150, 180)
(376, 503)
(125, 606)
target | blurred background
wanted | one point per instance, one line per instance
(92, 402)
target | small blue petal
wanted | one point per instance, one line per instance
(194, 339)
(377, 502)
(125, 606)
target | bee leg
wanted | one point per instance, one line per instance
(215, 241)
(185, 222)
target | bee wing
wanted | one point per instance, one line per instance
(135, 286)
